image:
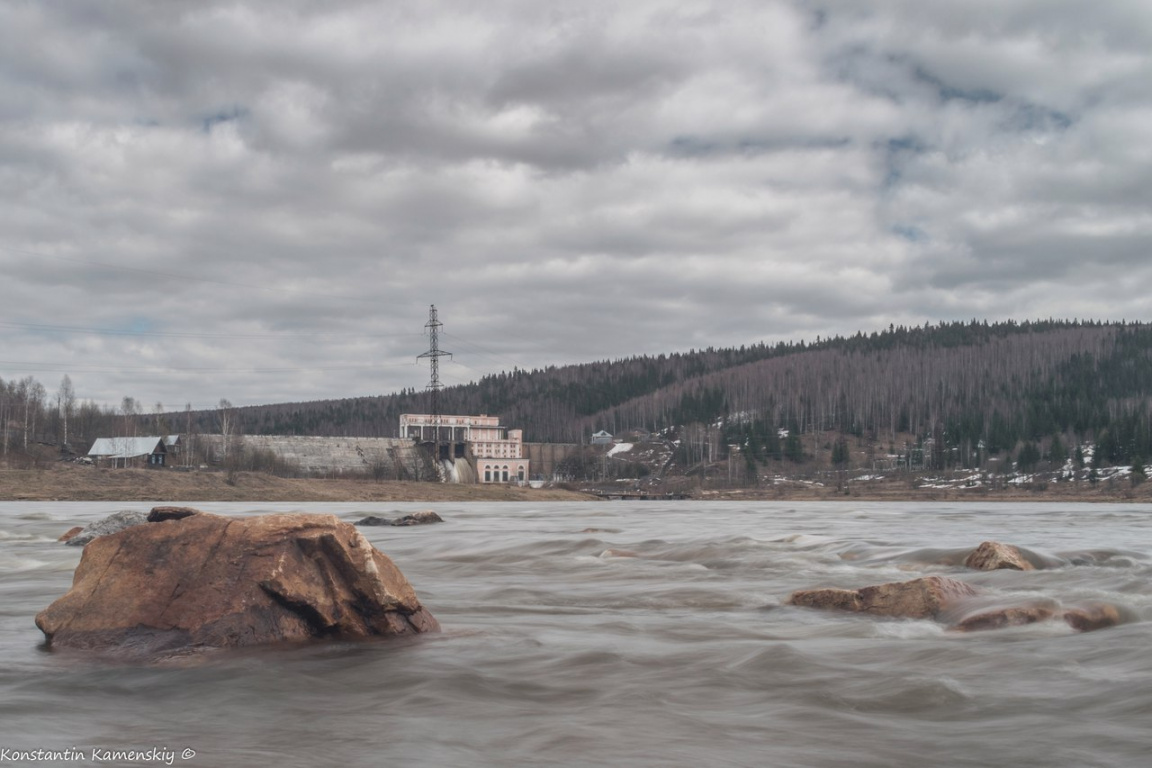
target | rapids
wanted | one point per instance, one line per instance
(629, 634)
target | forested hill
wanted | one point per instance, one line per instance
(963, 382)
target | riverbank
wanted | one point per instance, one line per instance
(80, 483)
(70, 482)
(901, 490)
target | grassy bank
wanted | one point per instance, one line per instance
(68, 482)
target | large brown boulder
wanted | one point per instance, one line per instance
(203, 580)
(992, 555)
(916, 599)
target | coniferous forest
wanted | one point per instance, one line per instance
(973, 388)
(969, 390)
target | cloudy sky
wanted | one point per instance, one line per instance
(260, 200)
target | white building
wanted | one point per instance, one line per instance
(498, 452)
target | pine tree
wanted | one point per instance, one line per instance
(1028, 457)
(1139, 473)
(793, 448)
(840, 452)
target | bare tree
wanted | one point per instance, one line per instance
(33, 405)
(5, 414)
(158, 419)
(129, 409)
(188, 435)
(225, 415)
(65, 404)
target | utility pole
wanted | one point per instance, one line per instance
(434, 354)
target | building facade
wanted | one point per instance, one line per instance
(498, 452)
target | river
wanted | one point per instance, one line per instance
(626, 634)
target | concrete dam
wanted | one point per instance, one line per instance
(384, 457)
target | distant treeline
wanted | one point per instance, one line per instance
(973, 388)
(36, 423)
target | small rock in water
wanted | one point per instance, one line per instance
(992, 555)
(1087, 618)
(70, 533)
(206, 581)
(998, 618)
(916, 599)
(423, 517)
(835, 599)
(416, 518)
(114, 523)
(619, 553)
(374, 520)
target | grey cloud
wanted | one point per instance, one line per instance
(566, 181)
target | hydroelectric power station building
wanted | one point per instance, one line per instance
(496, 452)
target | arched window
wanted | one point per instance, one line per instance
(520, 474)
(487, 475)
(505, 473)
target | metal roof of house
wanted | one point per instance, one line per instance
(125, 447)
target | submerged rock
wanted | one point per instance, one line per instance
(424, 517)
(992, 555)
(916, 599)
(835, 599)
(1010, 616)
(70, 533)
(1087, 618)
(374, 520)
(1084, 618)
(203, 580)
(114, 523)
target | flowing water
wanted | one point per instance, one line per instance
(629, 634)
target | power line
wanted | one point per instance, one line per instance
(200, 335)
(182, 276)
(494, 355)
(70, 367)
